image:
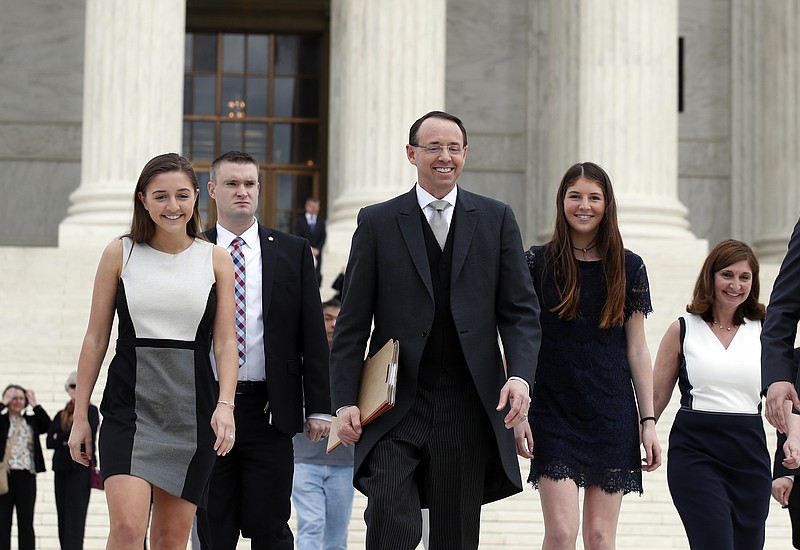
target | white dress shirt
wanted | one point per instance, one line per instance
(424, 199)
(254, 367)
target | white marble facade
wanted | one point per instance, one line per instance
(499, 61)
(383, 77)
(132, 109)
(41, 84)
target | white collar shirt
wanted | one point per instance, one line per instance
(424, 199)
(254, 367)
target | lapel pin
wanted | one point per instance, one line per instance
(270, 238)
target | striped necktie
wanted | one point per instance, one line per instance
(240, 293)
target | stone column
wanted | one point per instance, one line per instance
(766, 123)
(132, 109)
(387, 69)
(603, 85)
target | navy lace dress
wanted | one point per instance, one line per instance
(583, 415)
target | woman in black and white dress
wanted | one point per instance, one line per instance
(718, 465)
(164, 416)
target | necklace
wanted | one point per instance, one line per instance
(585, 250)
(714, 323)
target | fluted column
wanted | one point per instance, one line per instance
(387, 69)
(604, 88)
(132, 109)
(766, 131)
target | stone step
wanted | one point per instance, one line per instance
(44, 307)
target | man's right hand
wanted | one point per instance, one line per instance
(781, 489)
(777, 395)
(349, 425)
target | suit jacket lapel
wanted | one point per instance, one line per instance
(409, 222)
(269, 256)
(466, 218)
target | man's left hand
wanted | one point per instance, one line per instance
(777, 394)
(781, 489)
(316, 429)
(515, 393)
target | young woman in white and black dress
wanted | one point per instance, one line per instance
(718, 466)
(164, 416)
(592, 396)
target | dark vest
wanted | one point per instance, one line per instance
(442, 351)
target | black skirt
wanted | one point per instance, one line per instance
(719, 475)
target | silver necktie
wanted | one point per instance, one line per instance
(439, 222)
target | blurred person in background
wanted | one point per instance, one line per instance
(323, 483)
(22, 421)
(71, 479)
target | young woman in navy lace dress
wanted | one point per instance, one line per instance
(594, 387)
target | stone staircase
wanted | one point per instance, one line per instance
(44, 305)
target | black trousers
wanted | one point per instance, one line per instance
(719, 477)
(436, 457)
(251, 487)
(22, 496)
(72, 502)
(794, 512)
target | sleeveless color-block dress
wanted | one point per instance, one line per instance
(718, 465)
(160, 391)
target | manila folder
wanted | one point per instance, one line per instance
(377, 390)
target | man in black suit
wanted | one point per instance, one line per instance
(778, 368)
(311, 226)
(441, 270)
(783, 489)
(284, 360)
(783, 478)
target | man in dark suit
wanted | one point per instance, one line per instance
(443, 278)
(783, 489)
(778, 369)
(783, 478)
(311, 226)
(283, 359)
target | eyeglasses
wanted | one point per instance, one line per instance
(437, 149)
(73, 386)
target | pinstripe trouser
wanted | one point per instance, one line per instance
(437, 456)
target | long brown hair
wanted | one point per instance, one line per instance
(66, 416)
(727, 253)
(69, 408)
(609, 247)
(142, 225)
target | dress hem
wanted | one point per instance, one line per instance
(613, 481)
